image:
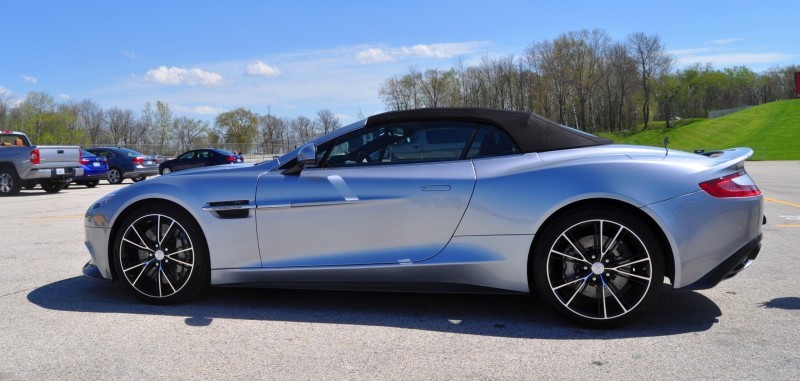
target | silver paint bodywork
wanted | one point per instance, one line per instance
(467, 222)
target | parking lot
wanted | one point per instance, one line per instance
(57, 324)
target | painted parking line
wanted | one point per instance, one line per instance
(767, 199)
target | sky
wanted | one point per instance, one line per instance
(293, 58)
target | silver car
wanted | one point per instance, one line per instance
(493, 201)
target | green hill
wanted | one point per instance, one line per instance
(772, 130)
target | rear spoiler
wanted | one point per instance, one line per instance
(730, 158)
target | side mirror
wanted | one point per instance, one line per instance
(306, 157)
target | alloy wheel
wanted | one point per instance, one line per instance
(156, 256)
(599, 269)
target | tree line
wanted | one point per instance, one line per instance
(155, 129)
(586, 80)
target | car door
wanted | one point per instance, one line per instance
(364, 207)
(186, 161)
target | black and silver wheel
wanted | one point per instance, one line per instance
(114, 176)
(600, 267)
(166, 170)
(9, 181)
(53, 186)
(160, 255)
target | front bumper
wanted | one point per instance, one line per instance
(91, 271)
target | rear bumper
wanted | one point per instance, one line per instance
(140, 171)
(737, 262)
(53, 173)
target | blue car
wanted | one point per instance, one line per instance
(95, 168)
(124, 164)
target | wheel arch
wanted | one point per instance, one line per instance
(664, 243)
(130, 209)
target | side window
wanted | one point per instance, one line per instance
(406, 142)
(187, 155)
(491, 141)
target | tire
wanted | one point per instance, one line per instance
(29, 184)
(599, 267)
(66, 185)
(161, 255)
(9, 181)
(115, 176)
(166, 171)
(91, 183)
(53, 186)
(138, 178)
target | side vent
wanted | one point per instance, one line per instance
(230, 209)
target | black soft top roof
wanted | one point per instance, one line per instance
(531, 132)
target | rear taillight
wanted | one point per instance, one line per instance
(84, 161)
(35, 159)
(738, 184)
(231, 159)
(138, 160)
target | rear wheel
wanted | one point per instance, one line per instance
(599, 267)
(9, 181)
(161, 255)
(114, 176)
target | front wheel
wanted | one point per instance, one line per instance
(161, 255)
(166, 170)
(599, 267)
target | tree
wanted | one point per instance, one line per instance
(238, 127)
(273, 133)
(652, 61)
(187, 132)
(304, 129)
(122, 127)
(327, 120)
(92, 118)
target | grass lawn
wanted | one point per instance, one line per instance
(772, 130)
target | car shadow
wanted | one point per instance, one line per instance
(514, 316)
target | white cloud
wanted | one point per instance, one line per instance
(725, 41)
(181, 76)
(373, 55)
(262, 69)
(444, 50)
(29, 79)
(64, 96)
(128, 54)
(198, 110)
(4, 92)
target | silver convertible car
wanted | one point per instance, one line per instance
(441, 200)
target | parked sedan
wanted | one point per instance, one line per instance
(522, 205)
(198, 158)
(95, 168)
(125, 163)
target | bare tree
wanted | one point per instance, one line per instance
(652, 61)
(273, 132)
(122, 127)
(93, 119)
(304, 129)
(187, 132)
(327, 121)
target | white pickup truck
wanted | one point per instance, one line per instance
(22, 164)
